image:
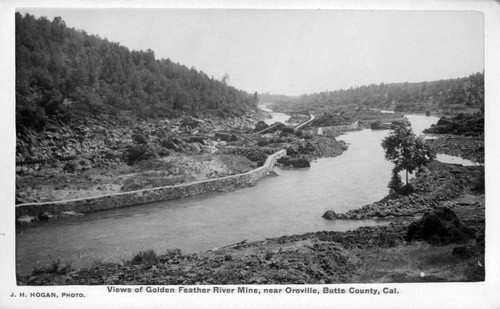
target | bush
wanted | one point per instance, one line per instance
(396, 185)
(268, 255)
(148, 258)
(136, 153)
(479, 187)
(172, 253)
(72, 166)
(33, 117)
(85, 164)
(140, 138)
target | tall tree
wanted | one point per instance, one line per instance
(405, 150)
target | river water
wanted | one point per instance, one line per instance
(276, 117)
(291, 203)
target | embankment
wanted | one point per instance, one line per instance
(126, 199)
(336, 130)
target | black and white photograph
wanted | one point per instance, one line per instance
(278, 155)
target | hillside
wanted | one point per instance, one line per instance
(444, 96)
(63, 74)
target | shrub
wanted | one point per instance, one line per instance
(85, 164)
(140, 138)
(148, 258)
(268, 255)
(72, 166)
(136, 153)
(171, 253)
(396, 184)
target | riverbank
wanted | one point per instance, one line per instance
(367, 254)
(460, 136)
(192, 152)
(436, 185)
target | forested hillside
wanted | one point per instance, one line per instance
(443, 95)
(63, 74)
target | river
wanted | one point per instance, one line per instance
(291, 203)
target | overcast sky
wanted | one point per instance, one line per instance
(297, 51)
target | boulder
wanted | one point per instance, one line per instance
(72, 166)
(256, 156)
(443, 121)
(227, 137)
(286, 131)
(330, 215)
(290, 151)
(295, 162)
(441, 226)
(169, 144)
(463, 252)
(26, 219)
(191, 122)
(196, 139)
(261, 125)
(44, 216)
(263, 142)
(277, 126)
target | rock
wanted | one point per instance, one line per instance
(191, 122)
(261, 125)
(256, 156)
(439, 227)
(263, 142)
(480, 241)
(196, 139)
(26, 219)
(461, 124)
(377, 125)
(277, 126)
(295, 162)
(290, 151)
(72, 166)
(227, 137)
(463, 252)
(169, 145)
(286, 131)
(44, 216)
(329, 215)
(71, 213)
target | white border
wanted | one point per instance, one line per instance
(428, 295)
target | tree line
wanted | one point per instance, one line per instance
(442, 95)
(63, 73)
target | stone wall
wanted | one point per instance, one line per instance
(132, 198)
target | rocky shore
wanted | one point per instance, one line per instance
(312, 258)
(434, 185)
(461, 136)
(470, 148)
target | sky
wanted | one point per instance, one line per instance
(294, 52)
